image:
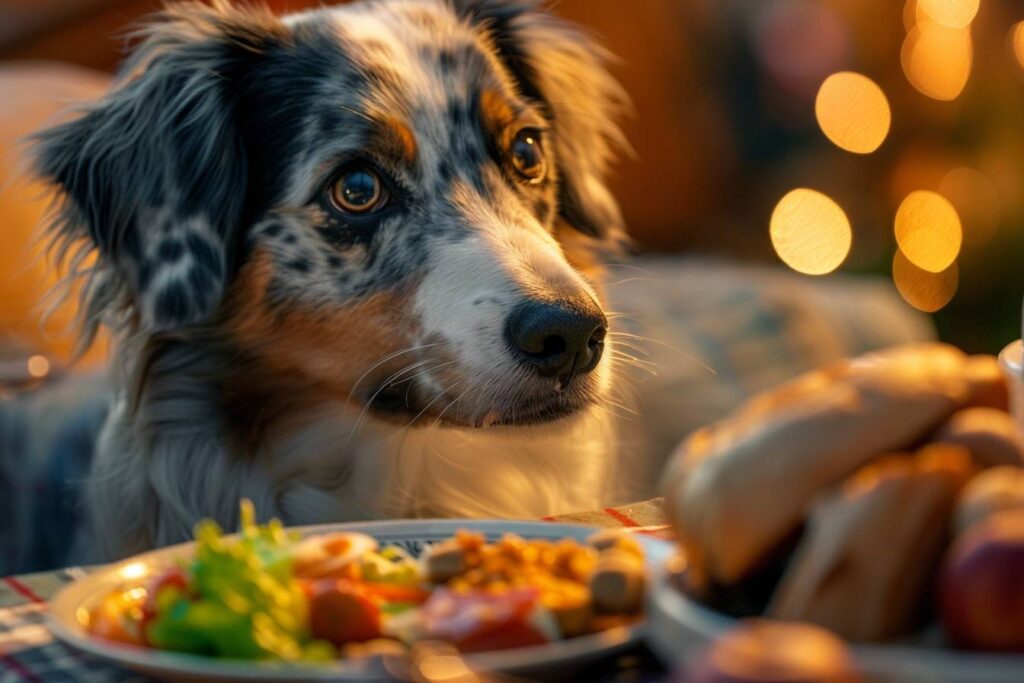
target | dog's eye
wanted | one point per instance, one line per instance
(527, 155)
(358, 190)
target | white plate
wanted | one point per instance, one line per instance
(70, 607)
(680, 628)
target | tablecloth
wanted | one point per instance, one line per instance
(28, 651)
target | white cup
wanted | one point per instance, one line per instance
(1011, 360)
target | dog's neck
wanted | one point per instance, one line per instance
(175, 453)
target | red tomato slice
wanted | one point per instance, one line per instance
(341, 611)
(388, 592)
(475, 622)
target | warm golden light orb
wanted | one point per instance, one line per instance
(38, 366)
(951, 13)
(853, 112)
(810, 232)
(924, 290)
(910, 11)
(1017, 42)
(937, 59)
(928, 230)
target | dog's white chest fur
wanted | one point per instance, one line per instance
(336, 467)
(438, 471)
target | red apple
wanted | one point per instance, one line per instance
(981, 589)
(763, 651)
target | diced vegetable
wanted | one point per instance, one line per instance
(445, 561)
(617, 584)
(391, 565)
(342, 611)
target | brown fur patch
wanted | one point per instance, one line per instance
(497, 113)
(288, 360)
(398, 139)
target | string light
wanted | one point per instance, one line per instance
(1017, 42)
(810, 232)
(853, 112)
(38, 366)
(950, 13)
(928, 230)
(937, 59)
(924, 290)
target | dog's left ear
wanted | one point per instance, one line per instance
(563, 69)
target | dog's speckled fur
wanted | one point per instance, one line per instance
(332, 367)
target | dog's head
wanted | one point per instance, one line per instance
(397, 202)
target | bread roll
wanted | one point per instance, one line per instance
(991, 435)
(866, 562)
(992, 491)
(987, 384)
(735, 489)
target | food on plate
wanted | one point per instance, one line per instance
(617, 582)
(991, 491)
(330, 554)
(980, 598)
(866, 564)
(991, 435)
(266, 594)
(763, 651)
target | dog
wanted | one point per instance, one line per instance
(351, 259)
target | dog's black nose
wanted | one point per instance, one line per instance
(558, 339)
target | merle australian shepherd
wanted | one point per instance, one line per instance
(351, 261)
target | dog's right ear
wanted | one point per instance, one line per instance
(154, 175)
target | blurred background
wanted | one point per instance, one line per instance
(911, 168)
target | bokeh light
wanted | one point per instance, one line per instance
(910, 11)
(1017, 42)
(937, 59)
(810, 232)
(928, 230)
(853, 112)
(924, 290)
(38, 366)
(951, 13)
(977, 201)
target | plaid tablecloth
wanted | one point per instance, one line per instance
(29, 652)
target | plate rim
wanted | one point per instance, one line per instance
(878, 662)
(62, 606)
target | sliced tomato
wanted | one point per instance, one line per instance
(474, 622)
(343, 611)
